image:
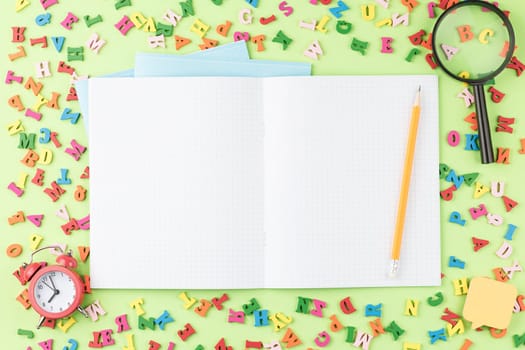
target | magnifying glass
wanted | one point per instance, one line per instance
(473, 41)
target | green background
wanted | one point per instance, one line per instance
(337, 58)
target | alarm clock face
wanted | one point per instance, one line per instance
(55, 292)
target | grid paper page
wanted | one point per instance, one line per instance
(334, 156)
(176, 183)
(201, 201)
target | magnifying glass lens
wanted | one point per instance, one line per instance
(472, 42)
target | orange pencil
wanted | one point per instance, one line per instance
(405, 185)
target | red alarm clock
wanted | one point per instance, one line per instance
(55, 291)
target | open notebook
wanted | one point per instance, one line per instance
(286, 182)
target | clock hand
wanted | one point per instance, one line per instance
(47, 285)
(55, 293)
(53, 288)
(52, 283)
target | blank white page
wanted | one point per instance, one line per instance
(334, 155)
(176, 183)
(189, 190)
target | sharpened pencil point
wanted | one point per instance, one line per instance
(418, 97)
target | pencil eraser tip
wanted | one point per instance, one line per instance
(394, 265)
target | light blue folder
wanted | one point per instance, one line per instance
(158, 66)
